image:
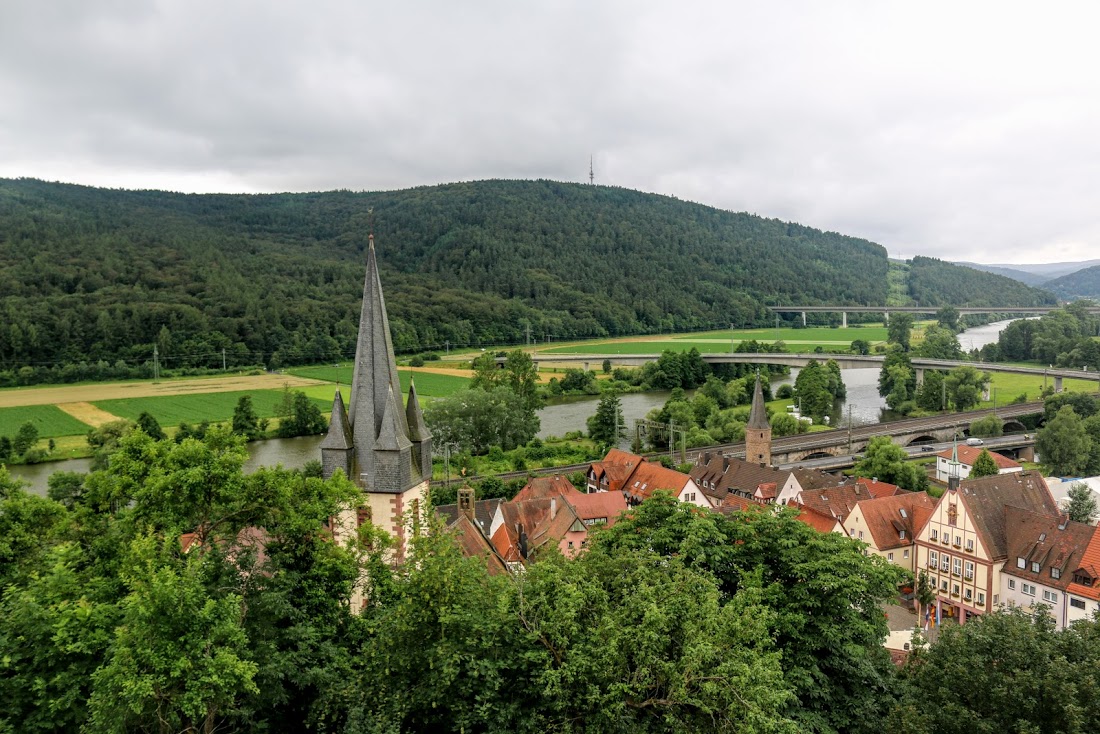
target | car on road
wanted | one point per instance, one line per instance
(974, 442)
(928, 448)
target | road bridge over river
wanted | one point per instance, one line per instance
(845, 362)
(887, 310)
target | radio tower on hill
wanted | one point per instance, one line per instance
(591, 172)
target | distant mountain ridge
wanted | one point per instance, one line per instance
(1033, 274)
(95, 274)
(1079, 284)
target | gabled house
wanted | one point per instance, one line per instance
(1083, 592)
(718, 476)
(963, 545)
(836, 501)
(967, 455)
(818, 521)
(520, 529)
(889, 524)
(1045, 553)
(637, 479)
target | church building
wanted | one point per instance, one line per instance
(381, 445)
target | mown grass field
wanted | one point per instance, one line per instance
(1009, 386)
(797, 340)
(428, 384)
(171, 410)
(50, 421)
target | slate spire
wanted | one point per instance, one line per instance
(419, 434)
(758, 416)
(379, 430)
(337, 449)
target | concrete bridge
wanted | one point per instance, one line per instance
(845, 361)
(887, 310)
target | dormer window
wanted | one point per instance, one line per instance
(1082, 578)
(1056, 573)
(1021, 562)
(1035, 567)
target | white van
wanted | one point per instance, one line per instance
(974, 442)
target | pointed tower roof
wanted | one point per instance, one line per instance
(376, 422)
(339, 430)
(414, 417)
(758, 417)
(391, 437)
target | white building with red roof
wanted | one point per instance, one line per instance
(967, 455)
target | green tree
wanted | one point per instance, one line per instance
(987, 427)
(899, 330)
(1064, 446)
(104, 440)
(984, 466)
(6, 448)
(1082, 503)
(948, 318)
(932, 394)
(522, 377)
(25, 438)
(149, 424)
(1018, 680)
(939, 343)
(964, 386)
(860, 346)
(897, 380)
(299, 416)
(606, 366)
(812, 390)
(245, 421)
(474, 420)
(179, 661)
(888, 462)
(607, 425)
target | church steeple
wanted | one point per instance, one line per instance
(419, 434)
(382, 449)
(758, 431)
(337, 449)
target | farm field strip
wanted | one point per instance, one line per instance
(170, 410)
(92, 393)
(88, 413)
(434, 384)
(50, 421)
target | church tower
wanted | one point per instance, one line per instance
(383, 446)
(758, 431)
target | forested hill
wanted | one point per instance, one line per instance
(1081, 284)
(933, 282)
(97, 274)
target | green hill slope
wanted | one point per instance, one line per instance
(933, 282)
(96, 274)
(1082, 284)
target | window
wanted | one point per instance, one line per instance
(1021, 563)
(969, 569)
(905, 553)
(1077, 603)
(1028, 589)
(890, 557)
(1012, 584)
(957, 567)
(852, 532)
(981, 598)
(861, 535)
(901, 534)
(945, 539)
(935, 534)
(943, 586)
(933, 559)
(1035, 567)
(970, 544)
(945, 563)
(967, 595)
(1051, 596)
(1056, 573)
(955, 590)
(958, 541)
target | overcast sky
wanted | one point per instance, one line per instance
(967, 131)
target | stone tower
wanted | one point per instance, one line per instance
(382, 446)
(758, 432)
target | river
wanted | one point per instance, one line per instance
(559, 419)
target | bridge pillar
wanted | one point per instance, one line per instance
(920, 376)
(586, 366)
(1057, 384)
(1027, 453)
(803, 319)
(985, 393)
(844, 319)
(886, 317)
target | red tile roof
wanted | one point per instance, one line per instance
(648, 477)
(1050, 541)
(888, 517)
(987, 497)
(880, 489)
(836, 502)
(550, 486)
(598, 505)
(1090, 565)
(816, 520)
(969, 454)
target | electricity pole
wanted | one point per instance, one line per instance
(156, 364)
(223, 359)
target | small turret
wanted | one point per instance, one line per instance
(758, 431)
(337, 450)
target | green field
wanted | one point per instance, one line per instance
(50, 421)
(171, 410)
(1008, 386)
(797, 340)
(428, 384)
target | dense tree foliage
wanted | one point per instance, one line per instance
(93, 274)
(1064, 445)
(984, 465)
(1082, 503)
(933, 282)
(817, 388)
(888, 462)
(1062, 338)
(1083, 283)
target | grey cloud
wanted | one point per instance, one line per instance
(964, 132)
